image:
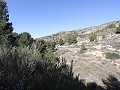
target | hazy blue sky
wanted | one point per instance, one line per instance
(44, 17)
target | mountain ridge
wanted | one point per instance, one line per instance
(64, 34)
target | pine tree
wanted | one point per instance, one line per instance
(5, 26)
(25, 39)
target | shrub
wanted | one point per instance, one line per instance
(83, 48)
(92, 37)
(118, 29)
(111, 26)
(61, 42)
(72, 40)
(112, 55)
(25, 39)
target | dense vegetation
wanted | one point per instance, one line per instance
(28, 64)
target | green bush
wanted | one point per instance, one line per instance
(72, 39)
(25, 39)
(83, 48)
(61, 42)
(92, 37)
(111, 26)
(118, 29)
(112, 55)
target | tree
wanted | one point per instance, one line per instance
(25, 39)
(13, 39)
(5, 26)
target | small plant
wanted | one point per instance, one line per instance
(83, 48)
(93, 37)
(118, 29)
(112, 55)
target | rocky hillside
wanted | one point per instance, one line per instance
(95, 55)
(85, 31)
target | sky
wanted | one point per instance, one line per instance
(46, 17)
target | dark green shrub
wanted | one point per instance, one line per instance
(61, 42)
(41, 45)
(25, 39)
(92, 37)
(72, 39)
(112, 55)
(83, 48)
(111, 26)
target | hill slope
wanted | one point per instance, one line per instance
(65, 34)
(98, 58)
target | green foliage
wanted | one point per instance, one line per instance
(25, 39)
(112, 56)
(40, 45)
(51, 45)
(23, 68)
(111, 26)
(61, 42)
(92, 37)
(72, 39)
(118, 29)
(83, 48)
(27, 64)
(13, 39)
(46, 49)
(50, 55)
(5, 26)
